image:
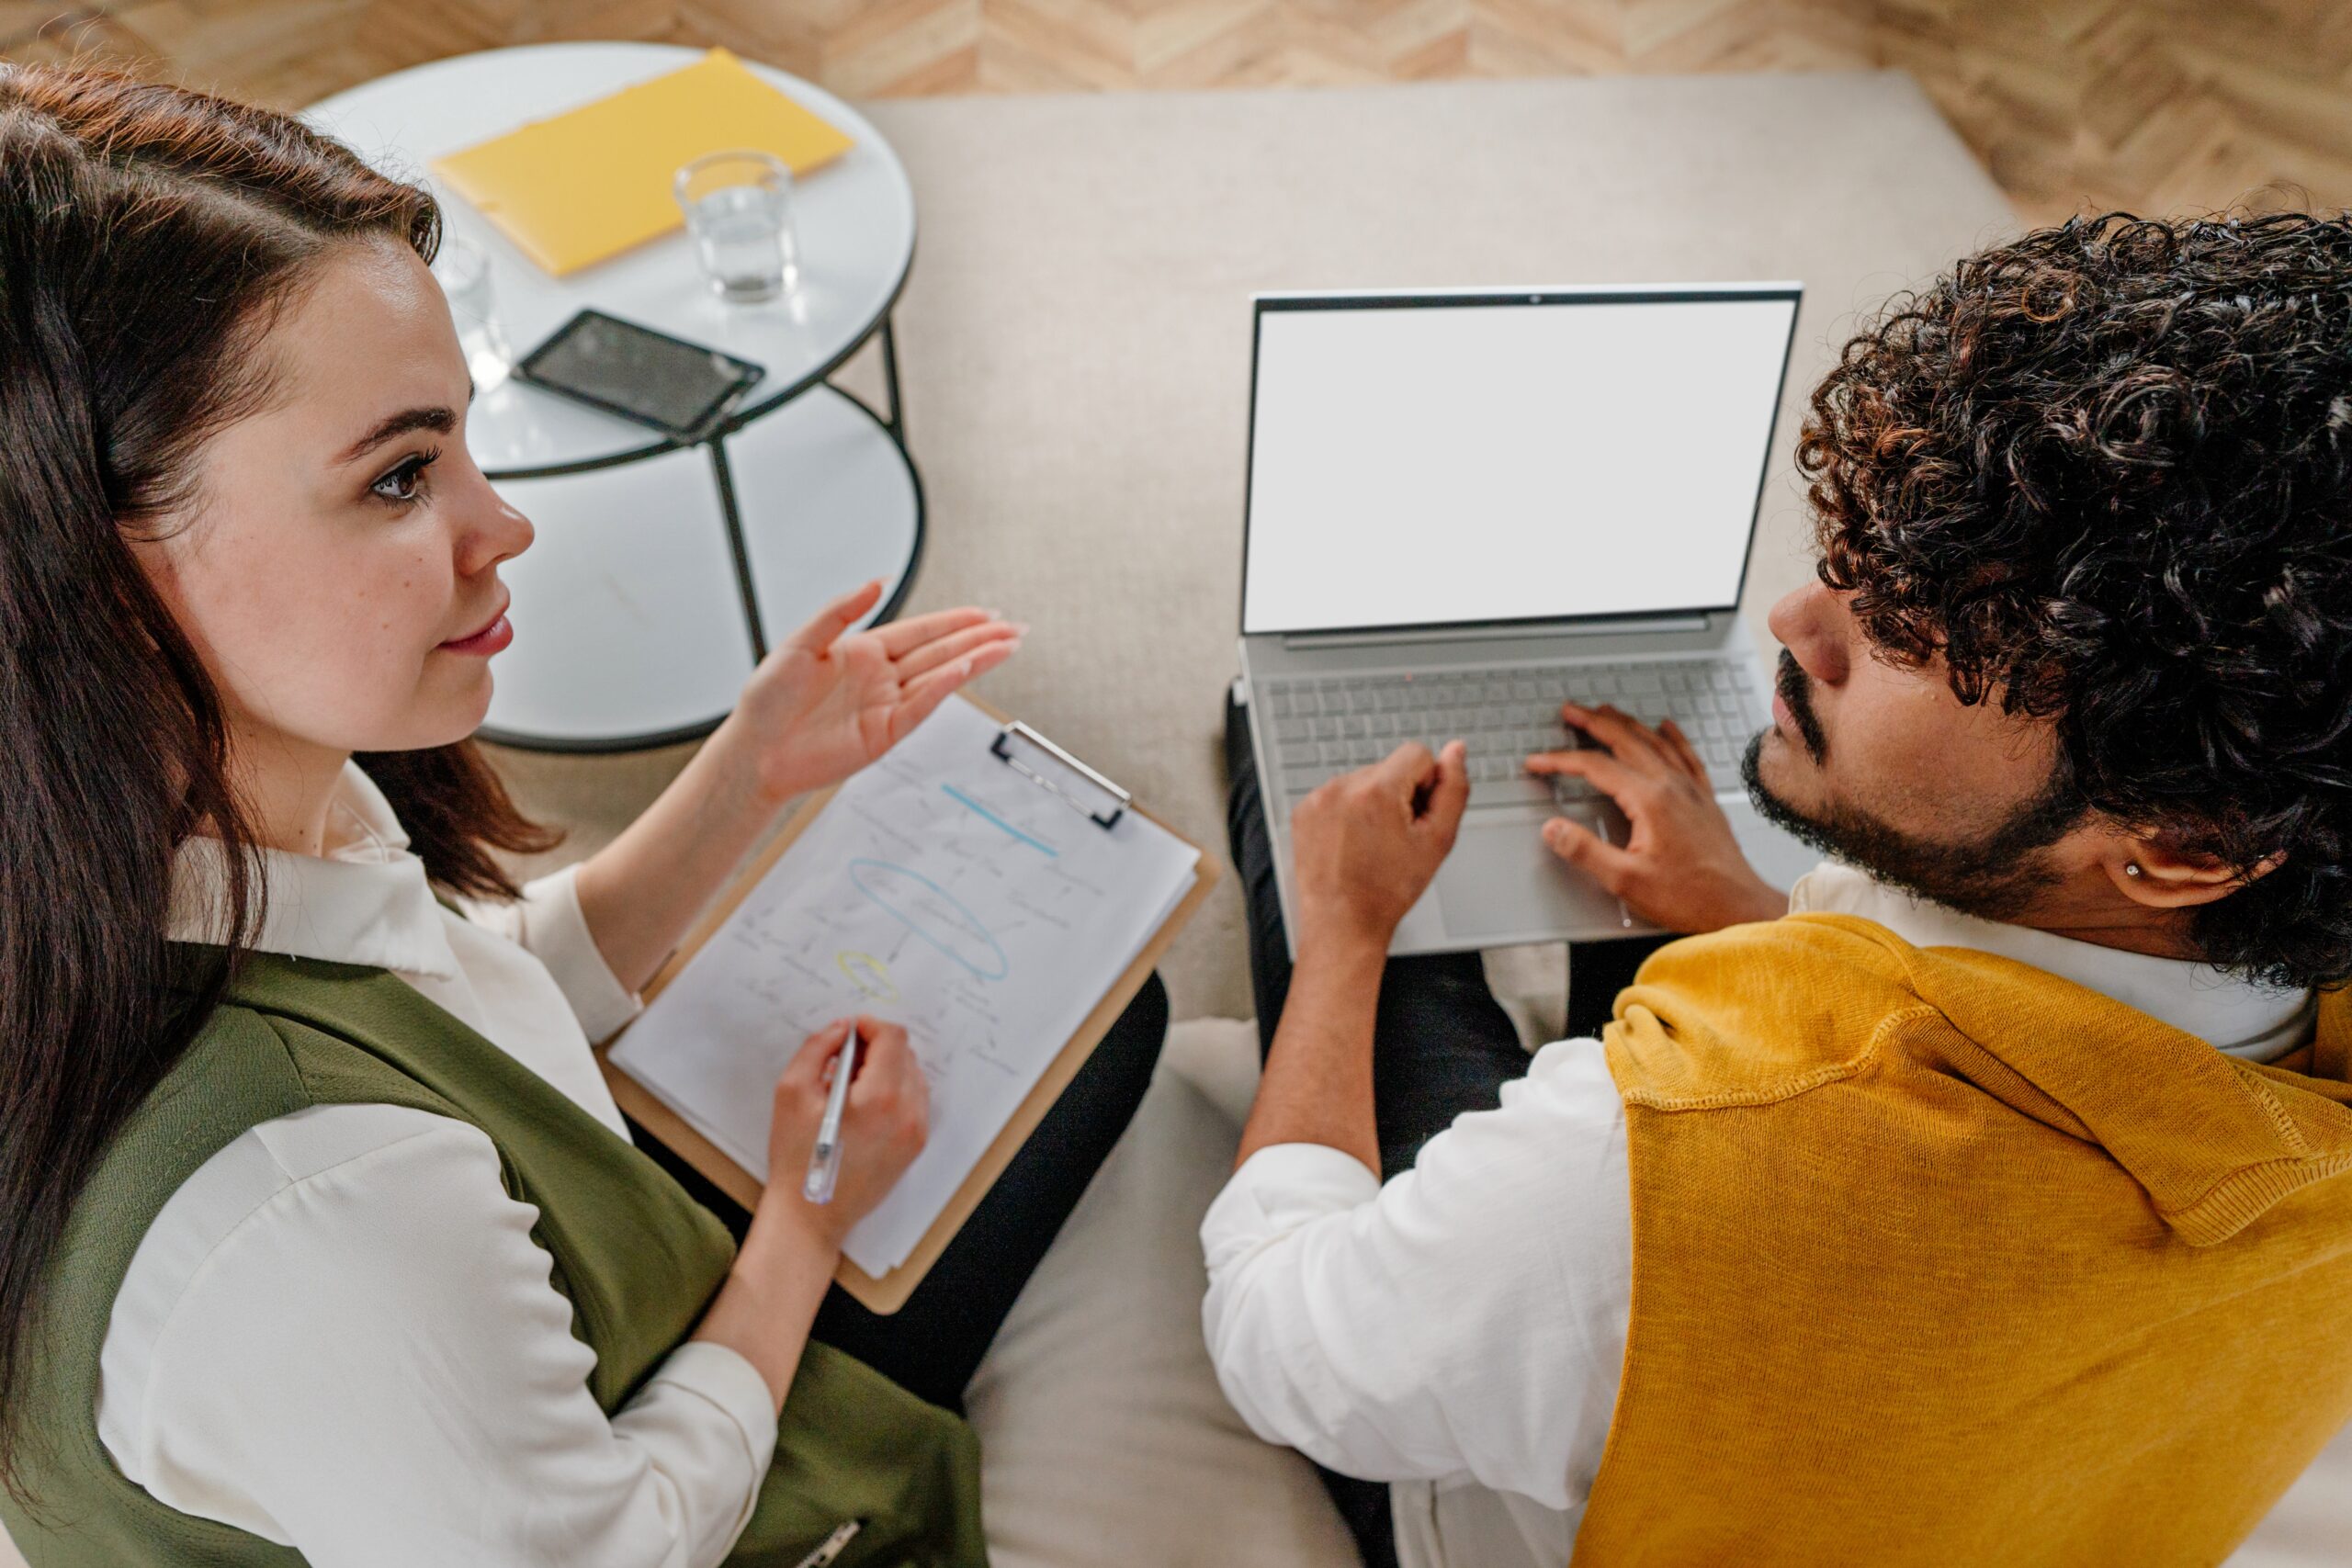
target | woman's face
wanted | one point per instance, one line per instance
(336, 564)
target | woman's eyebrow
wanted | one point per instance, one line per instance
(437, 418)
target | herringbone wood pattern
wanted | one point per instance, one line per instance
(2154, 104)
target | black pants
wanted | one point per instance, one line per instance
(1441, 1045)
(932, 1346)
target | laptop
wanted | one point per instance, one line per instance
(1464, 508)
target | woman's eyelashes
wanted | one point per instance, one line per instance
(404, 483)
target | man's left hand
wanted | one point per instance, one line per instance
(1681, 867)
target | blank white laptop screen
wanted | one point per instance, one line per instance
(1436, 464)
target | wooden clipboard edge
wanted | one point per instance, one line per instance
(888, 1294)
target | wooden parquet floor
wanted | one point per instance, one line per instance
(2152, 104)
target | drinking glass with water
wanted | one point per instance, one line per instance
(738, 210)
(462, 268)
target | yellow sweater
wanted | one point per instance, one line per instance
(1940, 1260)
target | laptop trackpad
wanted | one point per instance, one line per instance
(1501, 881)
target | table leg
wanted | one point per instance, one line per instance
(897, 420)
(737, 549)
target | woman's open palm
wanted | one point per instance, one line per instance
(829, 701)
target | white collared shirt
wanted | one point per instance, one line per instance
(1466, 1323)
(339, 1335)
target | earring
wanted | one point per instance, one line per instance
(2132, 868)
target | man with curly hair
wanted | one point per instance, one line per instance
(1987, 1198)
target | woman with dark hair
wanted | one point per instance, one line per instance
(321, 1238)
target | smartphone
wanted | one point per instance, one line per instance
(680, 388)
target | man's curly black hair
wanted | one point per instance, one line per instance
(2106, 472)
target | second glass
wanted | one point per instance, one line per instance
(462, 268)
(738, 210)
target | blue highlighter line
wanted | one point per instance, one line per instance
(971, 805)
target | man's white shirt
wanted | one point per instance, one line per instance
(1466, 1323)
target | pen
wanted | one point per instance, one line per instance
(825, 1159)
(834, 1545)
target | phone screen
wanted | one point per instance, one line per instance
(673, 385)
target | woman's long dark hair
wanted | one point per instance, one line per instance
(147, 236)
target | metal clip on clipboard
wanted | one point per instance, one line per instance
(1005, 749)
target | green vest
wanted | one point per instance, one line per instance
(637, 1258)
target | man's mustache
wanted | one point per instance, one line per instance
(1796, 690)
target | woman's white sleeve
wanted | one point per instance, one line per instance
(547, 923)
(372, 1366)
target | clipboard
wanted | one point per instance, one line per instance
(1047, 767)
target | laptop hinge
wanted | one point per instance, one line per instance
(1649, 625)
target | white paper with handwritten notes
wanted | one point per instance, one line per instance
(940, 889)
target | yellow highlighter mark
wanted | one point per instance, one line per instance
(869, 974)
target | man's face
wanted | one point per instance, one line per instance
(1882, 765)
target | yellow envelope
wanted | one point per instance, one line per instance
(594, 180)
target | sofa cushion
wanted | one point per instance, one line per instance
(1103, 1434)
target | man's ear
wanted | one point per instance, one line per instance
(2157, 875)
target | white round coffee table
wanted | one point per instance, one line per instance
(662, 572)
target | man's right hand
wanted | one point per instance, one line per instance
(1681, 867)
(1366, 845)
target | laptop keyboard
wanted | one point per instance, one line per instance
(1322, 725)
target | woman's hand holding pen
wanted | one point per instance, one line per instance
(787, 1258)
(829, 700)
(884, 1124)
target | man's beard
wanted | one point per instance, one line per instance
(1995, 876)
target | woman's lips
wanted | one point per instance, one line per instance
(491, 638)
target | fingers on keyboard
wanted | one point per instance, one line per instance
(1321, 726)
